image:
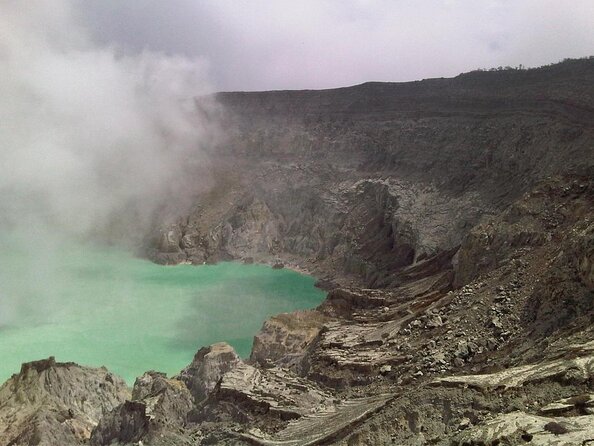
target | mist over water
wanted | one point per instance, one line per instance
(100, 306)
(98, 145)
(93, 145)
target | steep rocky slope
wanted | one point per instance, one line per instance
(452, 221)
(354, 183)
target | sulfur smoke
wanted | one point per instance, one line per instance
(93, 143)
(88, 135)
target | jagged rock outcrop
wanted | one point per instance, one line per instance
(207, 369)
(156, 414)
(576, 426)
(531, 221)
(555, 214)
(575, 365)
(275, 392)
(323, 426)
(52, 403)
(285, 338)
(281, 407)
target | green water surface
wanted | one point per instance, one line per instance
(101, 306)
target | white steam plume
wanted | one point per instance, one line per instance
(87, 134)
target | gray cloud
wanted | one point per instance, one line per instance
(260, 44)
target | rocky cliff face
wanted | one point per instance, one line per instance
(452, 221)
(354, 183)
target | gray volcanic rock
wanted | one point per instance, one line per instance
(51, 403)
(354, 183)
(576, 364)
(284, 338)
(274, 391)
(323, 427)
(520, 427)
(267, 398)
(207, 369)
(556, 213)
(528, 222)
(575, 427)
(156, 414)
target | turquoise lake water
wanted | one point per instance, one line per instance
(101, 306)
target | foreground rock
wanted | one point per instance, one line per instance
(265, 406)
(285, 338)
(50, 403)
(519, 428)
(207, 369)
(276, 393)
(323, 426)
(156, 414)
(575, 366)
(574, 426)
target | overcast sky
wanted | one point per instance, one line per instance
(292, 44)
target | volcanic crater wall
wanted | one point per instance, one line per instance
(357, 182)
